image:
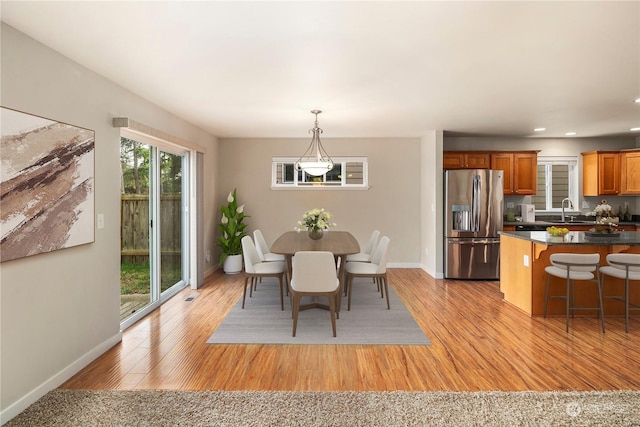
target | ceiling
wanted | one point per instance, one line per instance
(376, 69)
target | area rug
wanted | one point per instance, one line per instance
(369, 322)
(72, 408)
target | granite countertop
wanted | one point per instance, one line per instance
(556, 223)
(631, 238)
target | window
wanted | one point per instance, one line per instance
(557, 180)
(347, 172)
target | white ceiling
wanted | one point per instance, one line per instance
(376, 69)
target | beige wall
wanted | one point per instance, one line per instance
(61, 309)
(391, 204)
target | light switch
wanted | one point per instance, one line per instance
(509, 205)
(526, 260)
(100, 221)
(585, 205)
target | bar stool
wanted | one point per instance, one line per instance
(627, 267)
(574, 267)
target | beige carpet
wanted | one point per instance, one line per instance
(260, 408)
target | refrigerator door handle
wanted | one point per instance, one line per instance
(489, 241)
(476, 200)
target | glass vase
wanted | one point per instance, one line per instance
(315, 234)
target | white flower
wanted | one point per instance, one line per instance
(230, 197)
(315, 219)
(224, 219)
(240, 209)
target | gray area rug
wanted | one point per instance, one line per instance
(368, 322)
(262, 408)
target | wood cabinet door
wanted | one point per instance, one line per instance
(590, 174)
(630, 168)
(525, 173)
(453, 160)
(608, 173)
(465, 160)
(601, 173)
(504, 162)
(477, 160)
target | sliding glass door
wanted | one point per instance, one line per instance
(154, 227)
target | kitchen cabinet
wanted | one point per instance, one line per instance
(601, 173)
(520, 171)
(630, 172)
(465, 160)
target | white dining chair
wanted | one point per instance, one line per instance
(314, 274)
(365, 254)
(375, 269)
(627, 268)
(263, 248)
(256, 269)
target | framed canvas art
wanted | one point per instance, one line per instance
(46, 185)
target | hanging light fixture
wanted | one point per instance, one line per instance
(315, 161)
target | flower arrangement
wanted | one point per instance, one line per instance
(315, 219)
(231, 227)
(603, 213)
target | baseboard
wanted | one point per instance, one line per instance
(24, 402)
(403, 265)
(436, 275)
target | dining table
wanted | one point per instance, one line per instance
(340, 243)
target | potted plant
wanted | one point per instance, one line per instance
(231, 233)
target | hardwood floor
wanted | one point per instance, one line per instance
(479, 343)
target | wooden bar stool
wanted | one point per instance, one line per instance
(572, 267)
(626, 267)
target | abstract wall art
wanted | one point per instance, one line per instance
(46, 185)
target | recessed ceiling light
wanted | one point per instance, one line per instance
(637, 101)
(570, 133)
(634, 129)
(539, 129)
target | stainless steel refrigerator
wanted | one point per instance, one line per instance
(473, 218)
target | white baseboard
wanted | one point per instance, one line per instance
(403, 265)
(24, 402)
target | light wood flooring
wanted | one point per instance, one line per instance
(479, 343)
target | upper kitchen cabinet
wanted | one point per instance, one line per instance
(630, 168)
(520, 171)
(465, 160)
(601, 173)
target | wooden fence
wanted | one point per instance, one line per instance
(134, 228)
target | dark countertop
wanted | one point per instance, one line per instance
(631, 238)
(557, 224)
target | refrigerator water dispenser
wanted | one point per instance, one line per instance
(461, 217)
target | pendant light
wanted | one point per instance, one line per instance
(315, 161)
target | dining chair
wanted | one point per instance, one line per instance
(572, 268)
(263, 249)
(376, 269)
(365, 255)
(627, 268)
(256, 269)
(314, 274)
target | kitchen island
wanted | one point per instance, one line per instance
(525, 254)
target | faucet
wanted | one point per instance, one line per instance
(570, 206)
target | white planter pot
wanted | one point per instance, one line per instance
(232, 264)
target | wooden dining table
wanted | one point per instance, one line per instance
(340, 243)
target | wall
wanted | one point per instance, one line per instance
(392, 204)
(60, 310)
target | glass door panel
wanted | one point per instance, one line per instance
(171, 220)
(135, 216)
